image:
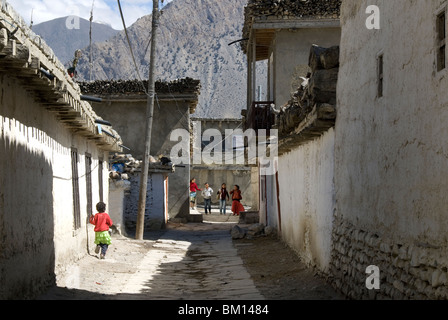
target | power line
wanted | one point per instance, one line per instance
(130, 46)
(90, 36)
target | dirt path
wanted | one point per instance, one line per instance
(192, 261)
(279, 274)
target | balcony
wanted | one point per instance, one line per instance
(260, 116)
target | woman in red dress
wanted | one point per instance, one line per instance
(237, 207)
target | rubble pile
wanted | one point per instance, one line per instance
(122, 166)
(250, 232)
(115, 87)
(317, 91)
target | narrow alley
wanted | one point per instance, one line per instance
(196, 261)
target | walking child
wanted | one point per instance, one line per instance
(223, 195)
(102, 222)
(237, 207)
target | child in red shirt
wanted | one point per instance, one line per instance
(193, 190)
(102, 222)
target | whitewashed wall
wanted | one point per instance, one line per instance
(306, 180)
(391, 153)
(37, 234)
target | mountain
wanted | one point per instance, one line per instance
(65, 41)
(192, 42)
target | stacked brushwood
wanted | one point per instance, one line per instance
(115, 87)
(294, 8)
(317, 92)
(288, 9)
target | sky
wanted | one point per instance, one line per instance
(104, 11)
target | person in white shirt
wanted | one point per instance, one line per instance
(207, 194)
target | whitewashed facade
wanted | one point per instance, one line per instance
(54, 164)
(299, 200)
(390, 150)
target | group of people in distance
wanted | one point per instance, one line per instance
(102, 221)
(223, 196)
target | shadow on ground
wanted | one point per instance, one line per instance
(196, 262)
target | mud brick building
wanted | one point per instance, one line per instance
(124, 105)
(298, 200)
(390, 151)
(362, 159)
(53, 162)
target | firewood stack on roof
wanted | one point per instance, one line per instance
(288, 9)
(294, 8)
(115, 87)
(316, 94)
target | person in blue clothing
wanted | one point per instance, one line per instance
(223, 197)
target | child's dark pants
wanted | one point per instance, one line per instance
(104, 248)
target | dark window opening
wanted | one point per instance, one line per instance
(380, 75)
(441, 41)
(100, 179)
(75, 186)
(89, 184)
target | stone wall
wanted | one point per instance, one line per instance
(390, 151)
(407, 270)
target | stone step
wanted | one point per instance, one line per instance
(249, 217)
(195, 217)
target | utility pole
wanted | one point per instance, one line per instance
(149, 119)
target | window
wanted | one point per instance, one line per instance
(75, 186)
(380, 75)
(441, 41)
(238, 142)
(89, 184)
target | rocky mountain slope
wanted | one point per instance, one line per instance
(193, 42)
(65, 41)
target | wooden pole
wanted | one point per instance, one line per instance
(149, 120)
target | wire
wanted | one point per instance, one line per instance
(78, 177)
(176, 23)
(147, 47)
(90, 36)
(130, 47)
